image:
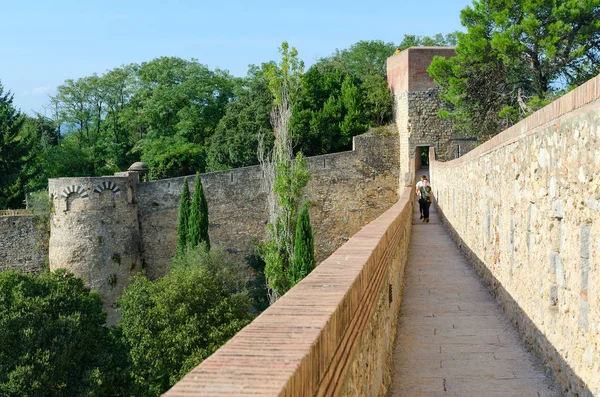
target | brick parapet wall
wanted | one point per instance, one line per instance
(331, 334)
(525, 206)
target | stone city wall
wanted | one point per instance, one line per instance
(330, 335)
(347, 191)
(525, 207)
(22, 245)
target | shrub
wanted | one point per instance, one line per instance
(172, 324)
(53, 341)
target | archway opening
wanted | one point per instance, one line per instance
(421, 157)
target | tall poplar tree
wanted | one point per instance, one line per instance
(304, 248)
(198, 223)
(183, 219)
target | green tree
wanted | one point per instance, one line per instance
(198, 222)
(515, 57)
(284, 178)
(53, 341)
(183, 218)
(172, 324)
(439, 39)
(363, 58)
(304, 248)
(247, 117)
(14, 151)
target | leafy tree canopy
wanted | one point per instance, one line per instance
(515, 57)
(53, 341)
(170, 325)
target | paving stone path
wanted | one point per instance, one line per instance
(453, 339)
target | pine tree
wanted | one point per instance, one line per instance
(183, 220)
(304, 248)
(198, 222)
(13, 152)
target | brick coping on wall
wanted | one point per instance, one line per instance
(301, 342)
(579, 100)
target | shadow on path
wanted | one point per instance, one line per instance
(453, 339)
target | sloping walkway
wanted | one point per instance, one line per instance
(453, 340)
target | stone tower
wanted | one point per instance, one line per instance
(96, 232)
(416, 105)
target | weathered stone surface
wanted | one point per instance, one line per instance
(416, 106)
(22, 245)
(95, 233)
(347, 190)
(521, 211)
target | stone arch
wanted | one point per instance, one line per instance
(107, 191)
(75, 189)
(107, 185)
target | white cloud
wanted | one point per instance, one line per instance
(38, 91)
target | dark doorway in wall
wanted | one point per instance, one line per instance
(423, 155)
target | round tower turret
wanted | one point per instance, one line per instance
(95, 233)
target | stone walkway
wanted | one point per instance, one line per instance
(453, 340)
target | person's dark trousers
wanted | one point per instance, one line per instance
(421, 206)
(425, 205)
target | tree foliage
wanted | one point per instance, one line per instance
(172, 324)
(439, 39)
(53, 341)
(285, 177)
(247, 117)
(183, 218)
(198, 221)
(515, 57)
(304, 248)
(14, 152)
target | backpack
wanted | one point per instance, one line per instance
(425, 193)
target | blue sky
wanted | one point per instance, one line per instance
(42, 43)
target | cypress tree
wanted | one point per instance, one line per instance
(304, 248)
(183, 219)
(198, 223)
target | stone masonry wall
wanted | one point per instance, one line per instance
(22, 246)
(95, 233)
(526, 208)
(347, 190)
(401, 103)
(416, 105)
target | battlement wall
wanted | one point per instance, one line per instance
(347, 190)
(22, 244)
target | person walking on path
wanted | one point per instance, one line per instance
(425, 200)
(418, 192)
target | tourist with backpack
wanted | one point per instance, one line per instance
(425, 200)
(418, 192)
